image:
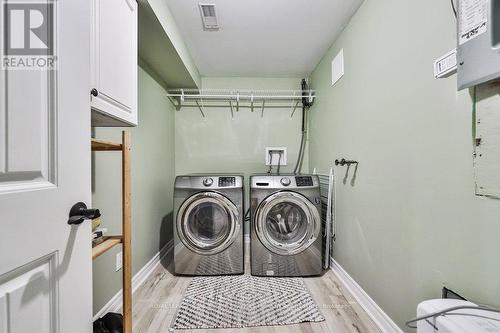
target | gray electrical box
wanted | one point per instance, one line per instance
(478, 51)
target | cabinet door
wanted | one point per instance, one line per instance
(114, 100)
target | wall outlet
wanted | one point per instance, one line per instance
(119, 262)
(273, 156)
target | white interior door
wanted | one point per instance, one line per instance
(45, 264)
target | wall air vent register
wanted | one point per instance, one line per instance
(208, 16)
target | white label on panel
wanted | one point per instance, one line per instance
(473, 19)
(338, 67)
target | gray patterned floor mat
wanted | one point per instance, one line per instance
(245, 300)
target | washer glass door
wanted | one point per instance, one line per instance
(287, 223)
(208, 222)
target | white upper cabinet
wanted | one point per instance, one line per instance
(114, 63)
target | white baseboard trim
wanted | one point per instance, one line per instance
(381, 319)
(116, 301)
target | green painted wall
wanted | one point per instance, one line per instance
(409, 222)
(152, 179)
(218, 143)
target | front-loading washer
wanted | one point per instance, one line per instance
(286, 228)
(208, 225)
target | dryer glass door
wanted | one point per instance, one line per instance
(208, 222)
(287, 223)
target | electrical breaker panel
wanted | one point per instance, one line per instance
(478, 50)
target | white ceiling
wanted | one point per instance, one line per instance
(262, 37)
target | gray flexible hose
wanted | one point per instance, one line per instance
(306, 104)
(439, 313)
(301, 153)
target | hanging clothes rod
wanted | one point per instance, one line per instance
(246, 97)
(252, 96)
(241, 94)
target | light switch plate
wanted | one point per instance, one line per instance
(119, 262)
(446, 65)
(274, 152)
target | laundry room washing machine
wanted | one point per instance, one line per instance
(286, 230)
(208, 225)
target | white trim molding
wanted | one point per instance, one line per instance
(381, 319)
(139, 278)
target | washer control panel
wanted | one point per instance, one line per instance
(208, 182)
(227, 181)
(304, 181)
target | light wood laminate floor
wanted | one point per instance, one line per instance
(156, 301)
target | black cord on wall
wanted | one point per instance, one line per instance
(454, 8)
(279, 162)
(270, 162)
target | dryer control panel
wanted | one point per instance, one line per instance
(208, 182)
(284, 181)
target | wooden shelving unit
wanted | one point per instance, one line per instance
(124, 239)
(99, 145)
(107, 244)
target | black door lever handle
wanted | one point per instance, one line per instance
(79, 213)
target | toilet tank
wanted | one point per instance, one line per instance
(458, 321)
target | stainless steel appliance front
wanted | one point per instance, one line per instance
(208, 231)
(286, 237)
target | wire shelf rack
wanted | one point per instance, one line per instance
(236, 99)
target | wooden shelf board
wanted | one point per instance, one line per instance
(100, 145)
(107, 244)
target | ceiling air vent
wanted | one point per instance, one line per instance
(208, 16)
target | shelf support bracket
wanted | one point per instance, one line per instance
(238, 101)
(181, 100)
(177, 105)
(262, 110)
(294, 108)
(232, 111)
(201, 109)
(251, 103)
